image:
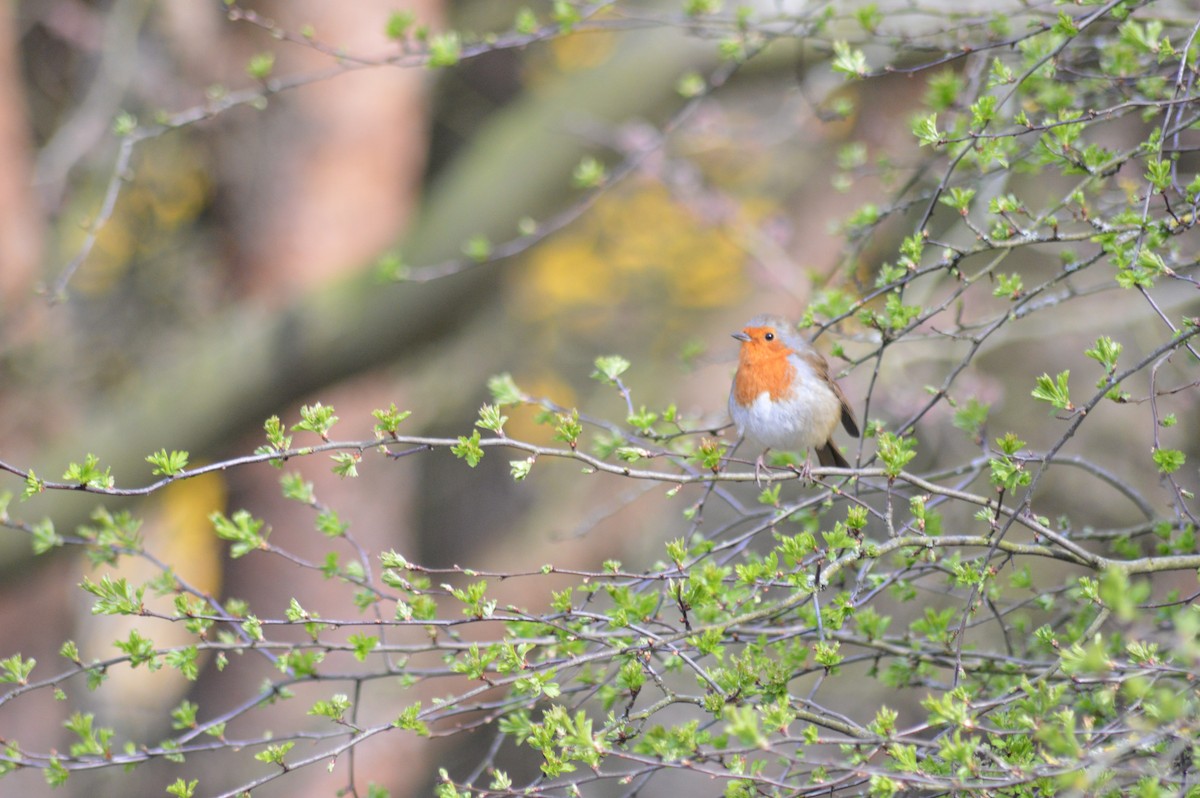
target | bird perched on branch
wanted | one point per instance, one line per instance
(783, 396)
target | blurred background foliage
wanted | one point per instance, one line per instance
(244, 270)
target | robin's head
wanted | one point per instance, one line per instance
(766, 337)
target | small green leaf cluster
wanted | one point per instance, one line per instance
(242, 529)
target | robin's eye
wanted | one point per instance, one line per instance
(769, 337)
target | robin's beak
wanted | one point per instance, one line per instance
(741, 336)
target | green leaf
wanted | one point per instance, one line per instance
(983, 111)
(276, 437)
(897, 315)
(330, 524)
(520, 468)
(274, 753)
(69, 650)
(410, 720)
(943, 89)
(252, 626)
(691, 84)
(609, 368)
(827, 655)
(124, 123)
(491, 419)
(261, 65)
(526, 21)
(468, 449)
(866, 215)
(345, 464)
(1065, 25)
(631, 454)
(1054, 391)
(114, 596)
(1121, 594)
(959, 199)
(1158, 172)
(1009, 286)
(871, 623)
(849, 61)
(589, 173)
(896, 452)
(89, 473)
(928, 521)
(296, 488)
(566, 14)
(504, 390)
(1007, 473)
(642, 420)
(840, 539)
(363, 645)
(391, 267)
(335, 708)
(1168, 460)
(868, 17)
(1009, 444)
(1001, 74)
(184, 716)
(478, 248)
(181, 789)
(140, 650)
(168, 464)
(475, 598)
(399, 23)
(388, 421)
(568, 429)
(925, 129)
(44, 537)
(111, 536)
(709, 454)
(770, 495)
(445, 49)
(316, 418)
(16, 670)
(186, 661)
(242, 529)
(33, 486)
(56, 775)
(971, 417)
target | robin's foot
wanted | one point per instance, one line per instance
(760, 468)
(805, 471)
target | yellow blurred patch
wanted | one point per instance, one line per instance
(170, 190)
(637, 240)
(571, 52)
(569, 271)
(183, 534)
(177, 532)
(582, 50)
(521, 424)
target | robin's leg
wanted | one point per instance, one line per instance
(806, 470)
(760, 467)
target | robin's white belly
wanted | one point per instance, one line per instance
(804, 420)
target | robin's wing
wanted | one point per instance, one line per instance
(830, 455)
(849, 422)
(821, 366)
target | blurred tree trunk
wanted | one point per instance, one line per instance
(21, 222)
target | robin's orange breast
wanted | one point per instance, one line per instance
(755, 376)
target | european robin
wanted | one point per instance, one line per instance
(783, 396)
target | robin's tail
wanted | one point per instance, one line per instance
(830, 455)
